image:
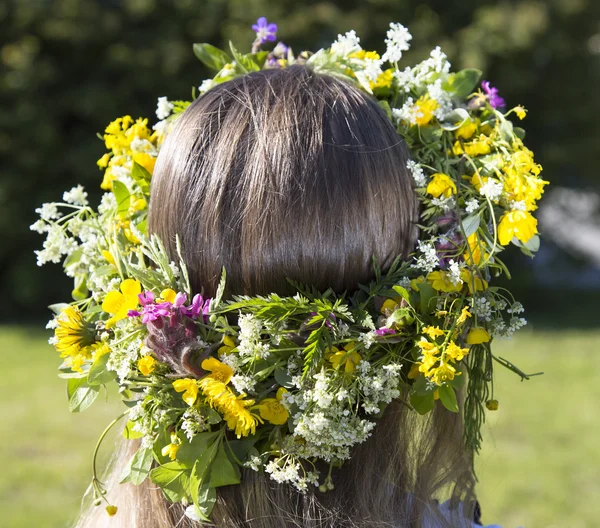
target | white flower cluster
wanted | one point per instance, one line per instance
(57, 243)
(125, 352)
(379, 385)
(471, 206)
(427, 259)
(491, 189)
(250, 339)
(454, 273)
(287, 469)
(417, 173)
(444, 203)
(346, 44)
(193, 423)
(163, 108)
(76, 196)
(397, 41)
(426, 72)
(243, 384)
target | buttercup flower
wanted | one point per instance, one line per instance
(441, 185)
(477, 336)
(189, 387)
(120, 303)
(218, 370)
(519, 224)
(272, 410)
(146, 365)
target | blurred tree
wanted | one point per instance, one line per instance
(68, 67)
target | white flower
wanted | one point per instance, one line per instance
(516, 308)
(397, 42)
(446, 204)
(454, 273)
(518, 206)
(206, 85)
(346, 44)
(163, 108)
(243, 384)
(427, 260)
(443, 99)
(162, 127)
(482, 309)
(142, 145)
(471, 206)
(367, 339)
(48, 212)
(491, 189)
(76, 196)
(39, 227)
(417, 173)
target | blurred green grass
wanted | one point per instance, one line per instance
(539, 467)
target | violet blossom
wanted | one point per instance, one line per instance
(492, 96)
(264, 32)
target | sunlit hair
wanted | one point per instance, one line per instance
(289, 174)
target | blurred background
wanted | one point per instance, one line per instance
(68, 67)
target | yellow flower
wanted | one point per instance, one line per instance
(433, 331)
(227, 347)
(189, 387)
(519, 224)
(413, 373)
(425, 108)
(456, 352)
(168, 295)
(477, 147)
(119, 303)
(108, 257)
(384, 80)
(440, 281)
(414, 283)
(466, 130)
(390, 305)
(272, 410)
(364, 54)
(170, 450)
(103, 161)
(346, 357)
(477, 336)
(146, 365)
(520, 111)
(429, 356)
(473, 281)
(75, 337)
(475, 255)
(463, 315)
(145, 160)
(441, 185)
(218, 370)
(233, 408)
(443, 373)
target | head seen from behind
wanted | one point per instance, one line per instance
(290, 174)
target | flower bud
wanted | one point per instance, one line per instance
(97, 502)
(492, 405)
(111, 510)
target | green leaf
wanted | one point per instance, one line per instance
(129, 433)
(455, 119)
(463, 83)
(448, 398)
(200, 474)
(245, 63)
(73, 258)
(138, 467)
(403, 292)
(519, 132)
(385, 106)
(142, 177)
(422, 403)
(431, 133)
(173, 480)
(223, 472)
(189, 452)
(533, 244)
(470, 224)
(427, 294)
(99, 374)
(80, 291)
(80, 394)
(123, 197)
(283, 378)
(214, 58)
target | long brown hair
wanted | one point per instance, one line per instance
(290, 174)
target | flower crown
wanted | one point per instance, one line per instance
(296, 382)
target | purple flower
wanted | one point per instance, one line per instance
(198, 306)
(264, 31)
(180, 299)
(384, 331)
(492, 95)
(146, 298)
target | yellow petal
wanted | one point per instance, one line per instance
(113, 302)
(131, 287)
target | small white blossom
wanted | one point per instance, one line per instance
(346, 44)
(454, 273)
(491, 189)
(397, 42)
(444, 203)
(518, 206)
(417, 173)
(206, 85)
(516, 308)
(471, 206)
(427, 259)
(48, 212)
(163, 108)
(76, 196)
(39, 226)
(367, 339)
